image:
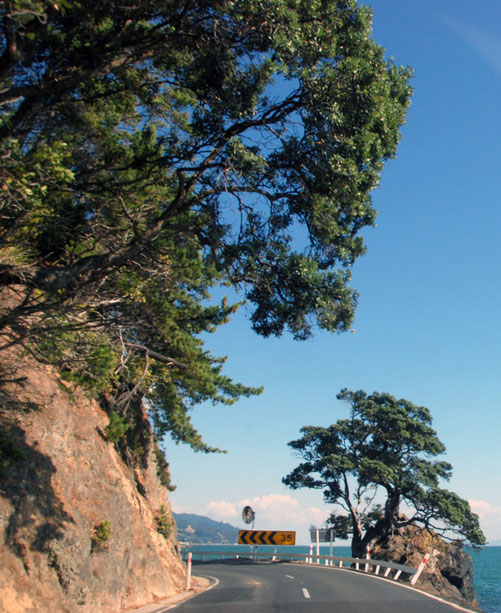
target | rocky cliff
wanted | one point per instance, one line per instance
(81, 529)
(448, 572)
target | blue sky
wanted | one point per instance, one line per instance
(428, 325)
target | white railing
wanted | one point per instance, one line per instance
(360, 564)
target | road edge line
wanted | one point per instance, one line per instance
(403, 585)
(213, 584)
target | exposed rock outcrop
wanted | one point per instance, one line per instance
(79, 526)
(447, 573)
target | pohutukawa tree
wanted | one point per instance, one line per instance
(152, 150)
(380, 459)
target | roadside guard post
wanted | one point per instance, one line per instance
(188, 572)
(420, 569)
(367, 557)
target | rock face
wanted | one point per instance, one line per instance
(79, 526)
(448, 573)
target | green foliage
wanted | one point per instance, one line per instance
(385, 450)
(341, 524)
(163, 522)
(154, 150)
(116, 428)
(101, 533)
(163, 472)
(88, 361)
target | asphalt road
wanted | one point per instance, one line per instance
(251, 587)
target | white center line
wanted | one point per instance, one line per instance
(289, 576)
(306, 594)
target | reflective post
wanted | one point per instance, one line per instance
(188, 572)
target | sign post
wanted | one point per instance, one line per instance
(322, 535)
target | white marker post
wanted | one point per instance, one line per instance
(367, 557)
(331, 538)
(420, 569)
(188, 572)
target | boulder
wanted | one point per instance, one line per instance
(449, 570)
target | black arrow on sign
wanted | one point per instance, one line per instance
(243, 536)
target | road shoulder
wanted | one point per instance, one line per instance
(198, 585)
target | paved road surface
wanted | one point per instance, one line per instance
(260, 587)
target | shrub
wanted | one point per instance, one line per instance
(163, 469)
(164, 522)
(116, 428)
(100, 535)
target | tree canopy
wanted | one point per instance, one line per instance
(379, 460)
(152, 150)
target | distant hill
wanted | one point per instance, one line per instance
(199, 529)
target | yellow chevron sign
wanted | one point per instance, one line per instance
(266, 537)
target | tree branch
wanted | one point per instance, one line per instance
(157, 356)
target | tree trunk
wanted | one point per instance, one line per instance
(357, 541)
(378, 533)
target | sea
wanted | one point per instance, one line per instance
(486, 564)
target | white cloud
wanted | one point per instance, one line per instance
(490, 518)
(221, 509)
(284, 512)
(271, 504)
(484, 509)
(273, 512)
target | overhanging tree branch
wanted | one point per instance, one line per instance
(157, 356)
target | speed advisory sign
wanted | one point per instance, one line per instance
(266, 537)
